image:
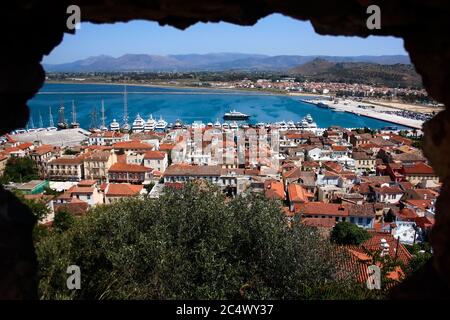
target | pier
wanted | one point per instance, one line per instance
(371, 111)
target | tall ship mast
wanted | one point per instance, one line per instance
(62, 123)
(31, 122)
(74, 123)
(94, 119)
(126, 125)
(51, 124)
(103, 126)
(41, 123)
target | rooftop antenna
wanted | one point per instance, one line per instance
(41, 123)
(50, 122)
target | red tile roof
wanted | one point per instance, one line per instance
(419, 168)
(274, 190)
(124, 167)
(155, 155)
(319, 222)
(321, 208)
(123, 190)
(133, 144)
(297, 193)
(43, 149)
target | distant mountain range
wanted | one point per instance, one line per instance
(208, 62)
(392, 75)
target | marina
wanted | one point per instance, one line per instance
(162, 108)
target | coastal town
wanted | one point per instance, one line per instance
(378, 180)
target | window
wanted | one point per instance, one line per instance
(360, 220)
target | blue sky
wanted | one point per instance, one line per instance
(273, 35)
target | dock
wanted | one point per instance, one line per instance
(371, 111)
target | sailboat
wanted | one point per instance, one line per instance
(74, 123)
(126, 125)
(31, 125)
(62, 124)
(103, 126)
(51, 124)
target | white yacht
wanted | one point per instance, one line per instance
(161, 125)
(234, 125)
(310, 121)
(210, 125)
(52, 128)
(225, 125)
(260, 124)
(178, 124)
(198, 125)
(217, 124)
(235, 115)
(291, 125)
(114, 126)
(138, 124)
(150, 124)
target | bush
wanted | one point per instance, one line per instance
(190, 244)
(347, 233)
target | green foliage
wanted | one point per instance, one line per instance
(190, 244)
(38, 207)
(63, 221)
(347, 233)
(421, 254)
(20, 170)
(70, 152)
(51, 192)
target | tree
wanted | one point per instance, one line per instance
(38, 207)
(20, 170)
(63, 220)
(347, 233)
(191, 244)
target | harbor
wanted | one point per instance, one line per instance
(368, 110)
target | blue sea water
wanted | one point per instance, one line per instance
(188, 105)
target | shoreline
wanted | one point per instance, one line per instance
(236, 90)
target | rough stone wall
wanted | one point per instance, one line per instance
(30, 29)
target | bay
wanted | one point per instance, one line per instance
(186, 104)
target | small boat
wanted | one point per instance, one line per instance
(52, 128)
